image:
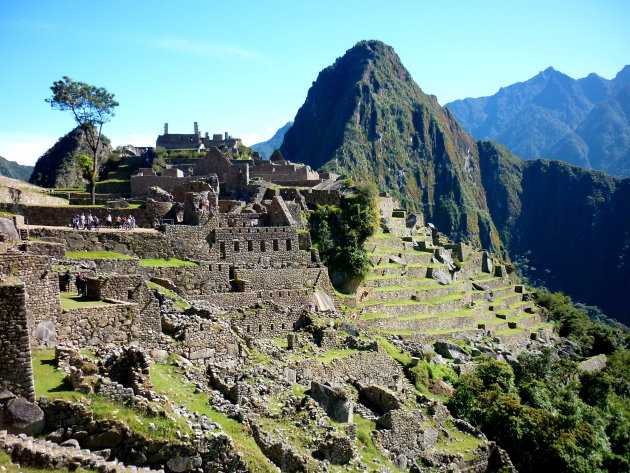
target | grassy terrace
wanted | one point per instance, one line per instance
(335, 354)
(430, 301)
(69, 301)
(96, 255)
(50, 382)
(431, 284)
(166, 263)
(390, 251)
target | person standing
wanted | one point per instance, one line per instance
(67, 278)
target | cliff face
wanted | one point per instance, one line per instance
(57, 167)
(568, 228)
(367, 118)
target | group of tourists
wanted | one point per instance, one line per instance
(92, 222)
(85, 222)
(80, 281)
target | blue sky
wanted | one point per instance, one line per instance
(246, 66)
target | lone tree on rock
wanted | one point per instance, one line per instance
(91, 107)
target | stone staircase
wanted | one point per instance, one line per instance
(415, 292)
(26, 450)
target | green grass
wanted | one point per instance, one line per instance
(166, 263)
(385, 236)
(371, 455)
(281, 342)
(168, 380)
(50, 382)
(180, 304)
(69, 301)
(401, 357)
(462, 443)
(335, 354)
(446, 315)
(96, 255)
(371, 277)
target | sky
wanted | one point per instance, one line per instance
(246, 66)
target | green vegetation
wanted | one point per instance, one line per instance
(170, 381)
(179, 303)
(335, 354)
(50, 382)
(96, 255)
(369, 453)
(339, 232)
(70, 300)
(546, 413)
(166, 263)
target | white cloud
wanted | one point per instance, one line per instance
(183, 45)
(24, 148)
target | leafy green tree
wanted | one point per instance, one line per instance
(91, 108)
(86, 165)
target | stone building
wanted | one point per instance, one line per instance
(194, 141)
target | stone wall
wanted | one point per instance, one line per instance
(296, 298)
(205, 341)
(16, 370)
(186, 241)
(106, 265)
(285, 278)
(93, 326)
(190, 281)
(269, 322)
(42, 284)
(56, 250)
(145, 316)
(364, 367)
(248, 245)
(140, 184)
(150, 244)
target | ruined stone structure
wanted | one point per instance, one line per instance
(15, 352)
(195, 141)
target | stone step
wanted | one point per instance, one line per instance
(502, 291)
(491, 281)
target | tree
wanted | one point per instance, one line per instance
(91, 107)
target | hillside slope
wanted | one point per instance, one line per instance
(15, 170)
(366, 117)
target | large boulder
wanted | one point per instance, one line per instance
(379, 399)
(333, 400)
(20, 416)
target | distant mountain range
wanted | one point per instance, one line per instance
(584, 122)
(266, 148)
(15, 170)
(365, 117)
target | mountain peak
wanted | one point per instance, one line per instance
(623, 76)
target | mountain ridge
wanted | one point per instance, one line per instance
(548, 116)
(15, 170)
(365, 117)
